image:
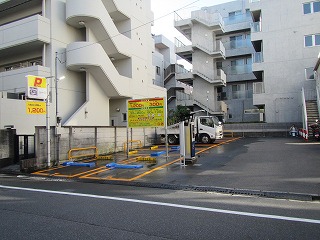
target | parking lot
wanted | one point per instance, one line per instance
(138, 164)
(281, 167)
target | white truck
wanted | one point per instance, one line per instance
(206, 128)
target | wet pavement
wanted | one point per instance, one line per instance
(271, 167)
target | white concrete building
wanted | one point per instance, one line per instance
(165, 62)
(245, 84)
(285, 35)
(236, 38)
(203, 53)
(102, 47)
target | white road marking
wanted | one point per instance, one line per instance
(258, 215)
(304, 143)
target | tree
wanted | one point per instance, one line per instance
(180, 114)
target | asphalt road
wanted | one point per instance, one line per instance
(264, 164)
(39, 208)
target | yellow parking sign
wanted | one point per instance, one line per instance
(33, 107)
(149, 112)
(37, 87)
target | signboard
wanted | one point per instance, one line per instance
(37, 87)
(149, 112)
(35, 107)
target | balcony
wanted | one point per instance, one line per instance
(255, 5)
(257, 57)
(238, 22)
(184, 51)
(219, 78)
(213, 21)
(258, 93)
(184, 99)
(238, 47)
(185, 77)
(33, 31)
(213, 48)
(256, 27)
(240, 73)
(16, 78)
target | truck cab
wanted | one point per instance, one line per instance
(208, 129)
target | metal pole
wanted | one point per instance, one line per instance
(48, 125)
(207, 102)
(57, 112)
(166, 127)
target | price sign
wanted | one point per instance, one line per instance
(149, 112)
(35, 107)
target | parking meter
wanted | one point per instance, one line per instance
(187, 140)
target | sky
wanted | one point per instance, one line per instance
(164, 16)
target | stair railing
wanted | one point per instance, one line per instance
(318, 99)
(304, 111)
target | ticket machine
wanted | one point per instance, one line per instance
(187, 141)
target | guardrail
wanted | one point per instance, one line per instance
(85, 155)
(138, 142)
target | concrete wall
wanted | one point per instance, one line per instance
(106, 139)
(6, 147)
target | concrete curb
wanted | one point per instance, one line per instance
(222, 190)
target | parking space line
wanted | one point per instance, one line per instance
(104, 169)
(88, 174)
(174, 161)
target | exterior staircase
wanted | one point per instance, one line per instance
(312, 113)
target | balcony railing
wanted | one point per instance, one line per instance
(256, 27)
(258, 88)
(236, 44)
(241, 69)
(178, 43)
(242, 94)
(237, 19)
(257, 57)
(207, 45)
(209, 19)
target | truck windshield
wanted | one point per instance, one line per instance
(207, 122)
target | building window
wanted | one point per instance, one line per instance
(158, 70)
(219, 65)
(124, 117)
(309, 73)
(312, 40)
(311, 7)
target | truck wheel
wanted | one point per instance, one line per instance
(204, 138)
(172, 139)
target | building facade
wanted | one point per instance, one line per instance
(236, 38)
(263, 53)
(165, 62)
(285, 35)
(103, 48)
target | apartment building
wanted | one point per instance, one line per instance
(236, 38)
(286, 38)
(265, 51)
(205, 50)
(221, 55)
(165, 62)
(102, 48)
